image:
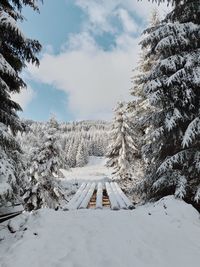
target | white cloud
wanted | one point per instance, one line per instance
(99, 15)
(102, 12)
(94, 79)
(129, 25)
(24, 97)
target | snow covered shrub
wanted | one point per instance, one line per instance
(172, 88)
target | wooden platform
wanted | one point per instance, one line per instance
(99, 196)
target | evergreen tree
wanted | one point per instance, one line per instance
(12, 175)
(82, 155)
(72, 152)
(139, 107)
(172, 89)
(122, 144)
(15, 51)
(45, 162)
(68, 138)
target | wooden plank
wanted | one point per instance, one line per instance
(99, 199)
(82, 196)
(72, 202)
(112, 198)
(88, 196)
(119, 199)
(124, 197)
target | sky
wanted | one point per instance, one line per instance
(90, 48)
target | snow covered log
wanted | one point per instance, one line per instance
(113, 202)
(87, 198)
(9, 216)
(82, 196)
(99, 197)
(75, 198)
(118, 196)
(124, 197)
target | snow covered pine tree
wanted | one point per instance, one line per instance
(15, 51)
(82, 155)
(139, 107)
(45, 162)
(173, 89)
(122, 144)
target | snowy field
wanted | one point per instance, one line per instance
(164, 234)
(93, 171)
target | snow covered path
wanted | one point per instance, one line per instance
(95, 170)
(164, 234)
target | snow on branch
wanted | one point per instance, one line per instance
(9, 22)
(171, 120)
(169, 162)
(159, 183)
(197, 195)
(5, 67)
(152, 85)
(157, 133)
(181, 187)
(197, 161)
(168, 33)
(191, 133)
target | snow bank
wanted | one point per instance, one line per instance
(164, 234)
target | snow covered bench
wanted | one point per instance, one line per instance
(108, 194)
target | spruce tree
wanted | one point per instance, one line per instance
(82, 155)
(15, 51)
(139, 107)
(122, 144)
(172, 149)
(72, 152)
(46, 160)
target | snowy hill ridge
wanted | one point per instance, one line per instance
(162, 234)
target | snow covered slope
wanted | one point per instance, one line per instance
(164, 234)
(93, 171)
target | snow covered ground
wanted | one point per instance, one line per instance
(161, 234)
(164, 234)
(93, 171)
